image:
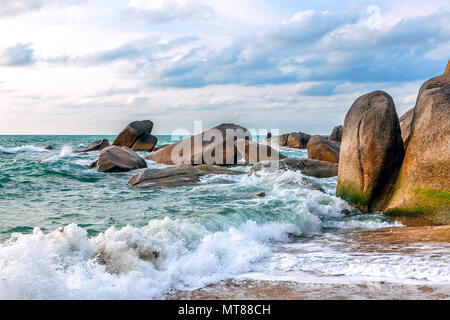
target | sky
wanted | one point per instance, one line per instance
(93, 66)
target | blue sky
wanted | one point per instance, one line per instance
(92, 66)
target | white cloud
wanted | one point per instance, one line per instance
(158, 11)
(18, 55)
(15, 7)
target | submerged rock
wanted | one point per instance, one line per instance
(405, 125)
(309, 167)
(320, 148)
(132, 132)
(94, 146)
(336, 134)
(119, 159)
(175, 176)
(48, 147)
(371, 152)
(422, 188)
(210, 147)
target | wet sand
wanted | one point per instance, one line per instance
(381, 240)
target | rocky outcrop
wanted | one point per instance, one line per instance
(320, 148)
(336, 134)
(422, 188)
(447, 70)
(119, 159)
(95, 146)
(176, 176)
(146, 143)
(313, 168)
(133, 132)
(371, 152)
(405, 125)
(214, 146)
(297, 140)
(252, 152)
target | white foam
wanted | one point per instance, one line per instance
(132, 262)
(26, 148)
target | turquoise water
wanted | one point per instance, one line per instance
(67, 231)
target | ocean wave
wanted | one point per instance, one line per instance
(26, 148)
(132, 262)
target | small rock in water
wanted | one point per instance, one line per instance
(48, 147)
(260, 194)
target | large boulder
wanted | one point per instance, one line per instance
(297, 140)
(371, 152)
(313, 168)
(214, 146)
(176, 176)
(405, 125)
(147, 143)
(422, 188)
(95, 146)
(119, 159)
(320, 148)
(447, 70)
(252, 152)
(132, 132)
(336, 134)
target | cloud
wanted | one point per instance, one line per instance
(160, 11)
(310, 47)
(306, 27)
(18, 55)
(15, 7)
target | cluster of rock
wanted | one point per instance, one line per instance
(137, 136)
(324, 148)
(297, 140)
(400, 167)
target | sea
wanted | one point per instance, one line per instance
(70, 232)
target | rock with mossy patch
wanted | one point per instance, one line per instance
(371, 152)
(422, 188)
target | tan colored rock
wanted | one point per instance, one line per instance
(297, 140)
(422, 188)
(145, 143)
(371, 152)
(336, 134)
(405, 125)
(133, 132)
(447, 70)
(186, 151)
(119, 159)
(320, 148)
(253, 152)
